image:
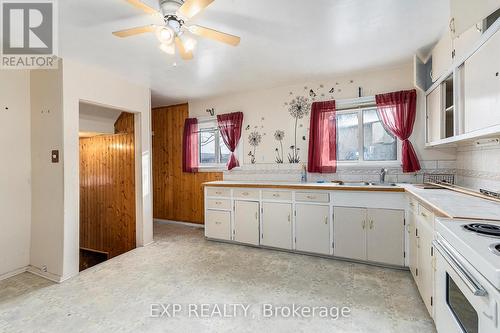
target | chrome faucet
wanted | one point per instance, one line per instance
(383, 172)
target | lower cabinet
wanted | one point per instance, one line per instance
(375, 235)
(385, 236)
(312, 228)
(276, 225)
(425, 276)
(246, 222)
(413, 240)
(218, 224)
(349, 226)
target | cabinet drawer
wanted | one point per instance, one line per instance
(246, 194)
(312, 197)
(218, 204)
(218, 224)
(277, 195)
(218, 192)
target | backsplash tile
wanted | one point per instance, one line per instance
(478, 167)
(287, 172)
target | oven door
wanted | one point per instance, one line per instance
(463, 304)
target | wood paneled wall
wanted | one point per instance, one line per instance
(177, 195)
(107, 190)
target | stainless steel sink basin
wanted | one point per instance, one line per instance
(383, 184)
(361, 184)
(354, 184)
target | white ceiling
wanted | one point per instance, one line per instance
(283, 42)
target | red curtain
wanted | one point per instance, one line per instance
(322, 156)
(397, 111)
(190, 154)
(230, 130)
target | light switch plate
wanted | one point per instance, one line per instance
(55, 156)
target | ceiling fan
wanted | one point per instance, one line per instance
(175, 33)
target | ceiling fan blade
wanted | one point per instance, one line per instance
(134, 31)
(192, 7)
(142, 6)
(215, 35)
(186, 55)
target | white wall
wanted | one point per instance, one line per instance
(266, 111)
(96, 119)
(98, 86)
(47, 177)
(15, 191)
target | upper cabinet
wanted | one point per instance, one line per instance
(482, 86)
(466, 13)
(442, 57)
(463, 100)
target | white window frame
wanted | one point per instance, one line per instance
(209, 167)
(361, 162)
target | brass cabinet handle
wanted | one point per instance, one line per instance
(371, 224)
(245, 193)
(218, 203)
(311, 197)
(423, 214)
(363, 224)
(326, 219)
(276, 195)
(218, 192)
(217, 222)
(289, 219)
(256, 215)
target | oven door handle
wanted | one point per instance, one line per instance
(471, 282)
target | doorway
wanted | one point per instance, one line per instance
(107, 184)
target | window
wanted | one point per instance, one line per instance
(213, 151)
(361, 138)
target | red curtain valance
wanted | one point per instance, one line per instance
(190, 150)
(322, 156)
(230, 129)
(398, 111)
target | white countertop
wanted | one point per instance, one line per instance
(456, 205)
(449, 203)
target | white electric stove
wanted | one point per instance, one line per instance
(467, 276)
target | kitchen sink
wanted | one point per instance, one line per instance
(360, 184)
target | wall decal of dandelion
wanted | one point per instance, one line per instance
(298, 108)
(279, 136)
(254, 140)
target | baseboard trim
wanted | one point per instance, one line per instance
(15, 272)
(46, 275)
(187, 224)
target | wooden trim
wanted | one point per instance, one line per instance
(177, 195)
(311, 187)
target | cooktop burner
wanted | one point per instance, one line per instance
(484, 229)
(495, 248)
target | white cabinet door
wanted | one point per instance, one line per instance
(349, 226)
(482, 86)
(277, 225)
(218, 224)
(413, 234)
(434, 105)
(425, 269)
(442, 56)
(246, 222)
(385, 236)
(312, 228)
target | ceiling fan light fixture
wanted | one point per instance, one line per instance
(165, 35)
(168, 48)
(189, 42)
